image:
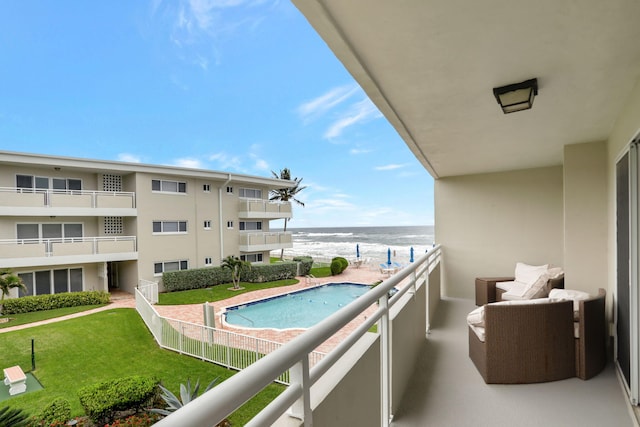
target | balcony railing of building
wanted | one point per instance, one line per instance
(264, 241)
(70, 246)
(402, 322)
(47, 198)
(259, 208)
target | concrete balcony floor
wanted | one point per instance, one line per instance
(447, 390)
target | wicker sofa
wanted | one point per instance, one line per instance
(540, 342)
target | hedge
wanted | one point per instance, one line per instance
(338, 265)
(33, 303)
(199, 278)
(103, 400)
(305, 262)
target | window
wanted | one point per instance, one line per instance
(206, 188)
(207, 261)
(250, 225)
(161, 267)
(207, 225)
(229, 190)
(251, 257)
(169, 226)
(229, 224)
(168, 186)
(45, 183)
(49, 231)
(52, 281)
(250, 193)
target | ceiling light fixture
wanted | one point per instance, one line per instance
(517, 96)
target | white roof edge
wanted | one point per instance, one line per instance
(128, 167)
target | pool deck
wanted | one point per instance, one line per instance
(193, 313)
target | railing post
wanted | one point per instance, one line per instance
(299, 377)
(385, 363)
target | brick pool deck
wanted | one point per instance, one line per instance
(193, 313)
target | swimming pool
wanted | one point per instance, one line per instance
(300, 309)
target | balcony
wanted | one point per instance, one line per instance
(37, 202)
(29, 252)
(264, 241)
(263, 209)
(398, 377)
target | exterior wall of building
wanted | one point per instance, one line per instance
(211, 214)
(585, 213)
(486, 223)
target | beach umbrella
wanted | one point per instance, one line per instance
(389, 256)
(411, 254)
(357, 251)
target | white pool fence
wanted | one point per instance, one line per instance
(219, 346)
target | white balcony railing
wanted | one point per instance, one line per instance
(412, 307)
(47, 198)
(264, 241)
(72, 246)
(259, 208)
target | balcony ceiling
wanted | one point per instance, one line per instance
(430, 66)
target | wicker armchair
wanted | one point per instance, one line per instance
(530, 343)
(525, 343)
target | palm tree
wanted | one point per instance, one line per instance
(236, 265)
(8, 281)
(286, 194)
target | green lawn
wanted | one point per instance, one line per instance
(217, 293)
(106, 345)
(36, 316)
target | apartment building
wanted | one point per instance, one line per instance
(71, 224)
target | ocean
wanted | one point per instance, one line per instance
(374, 242)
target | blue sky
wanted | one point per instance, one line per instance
(231, 85)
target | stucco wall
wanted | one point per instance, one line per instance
(486, 223)
(585, 212)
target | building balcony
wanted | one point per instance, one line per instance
(37, 202)
(413, 371)
(264, 241)
(263, 209)
(77, 250)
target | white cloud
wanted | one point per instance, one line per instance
(189, 162)
(320, 105)
(359, 112)
(390, 167)
(226, 162)
(127, 157)
(358, 151)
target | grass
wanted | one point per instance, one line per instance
(217, 293)
(36, 316)
(111, 344)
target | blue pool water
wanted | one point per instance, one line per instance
(301, 309)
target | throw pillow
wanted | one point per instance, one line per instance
(528, 274)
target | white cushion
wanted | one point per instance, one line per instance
(516, 292)
(476, 317)
(479, 331)
(528, 274)
(570, 295)
(505, 286)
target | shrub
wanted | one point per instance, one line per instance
(52, 301)
(199, 278)
(338, 265)
(305, 263)
(101, 401)
(58, 411)
(138, 420)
